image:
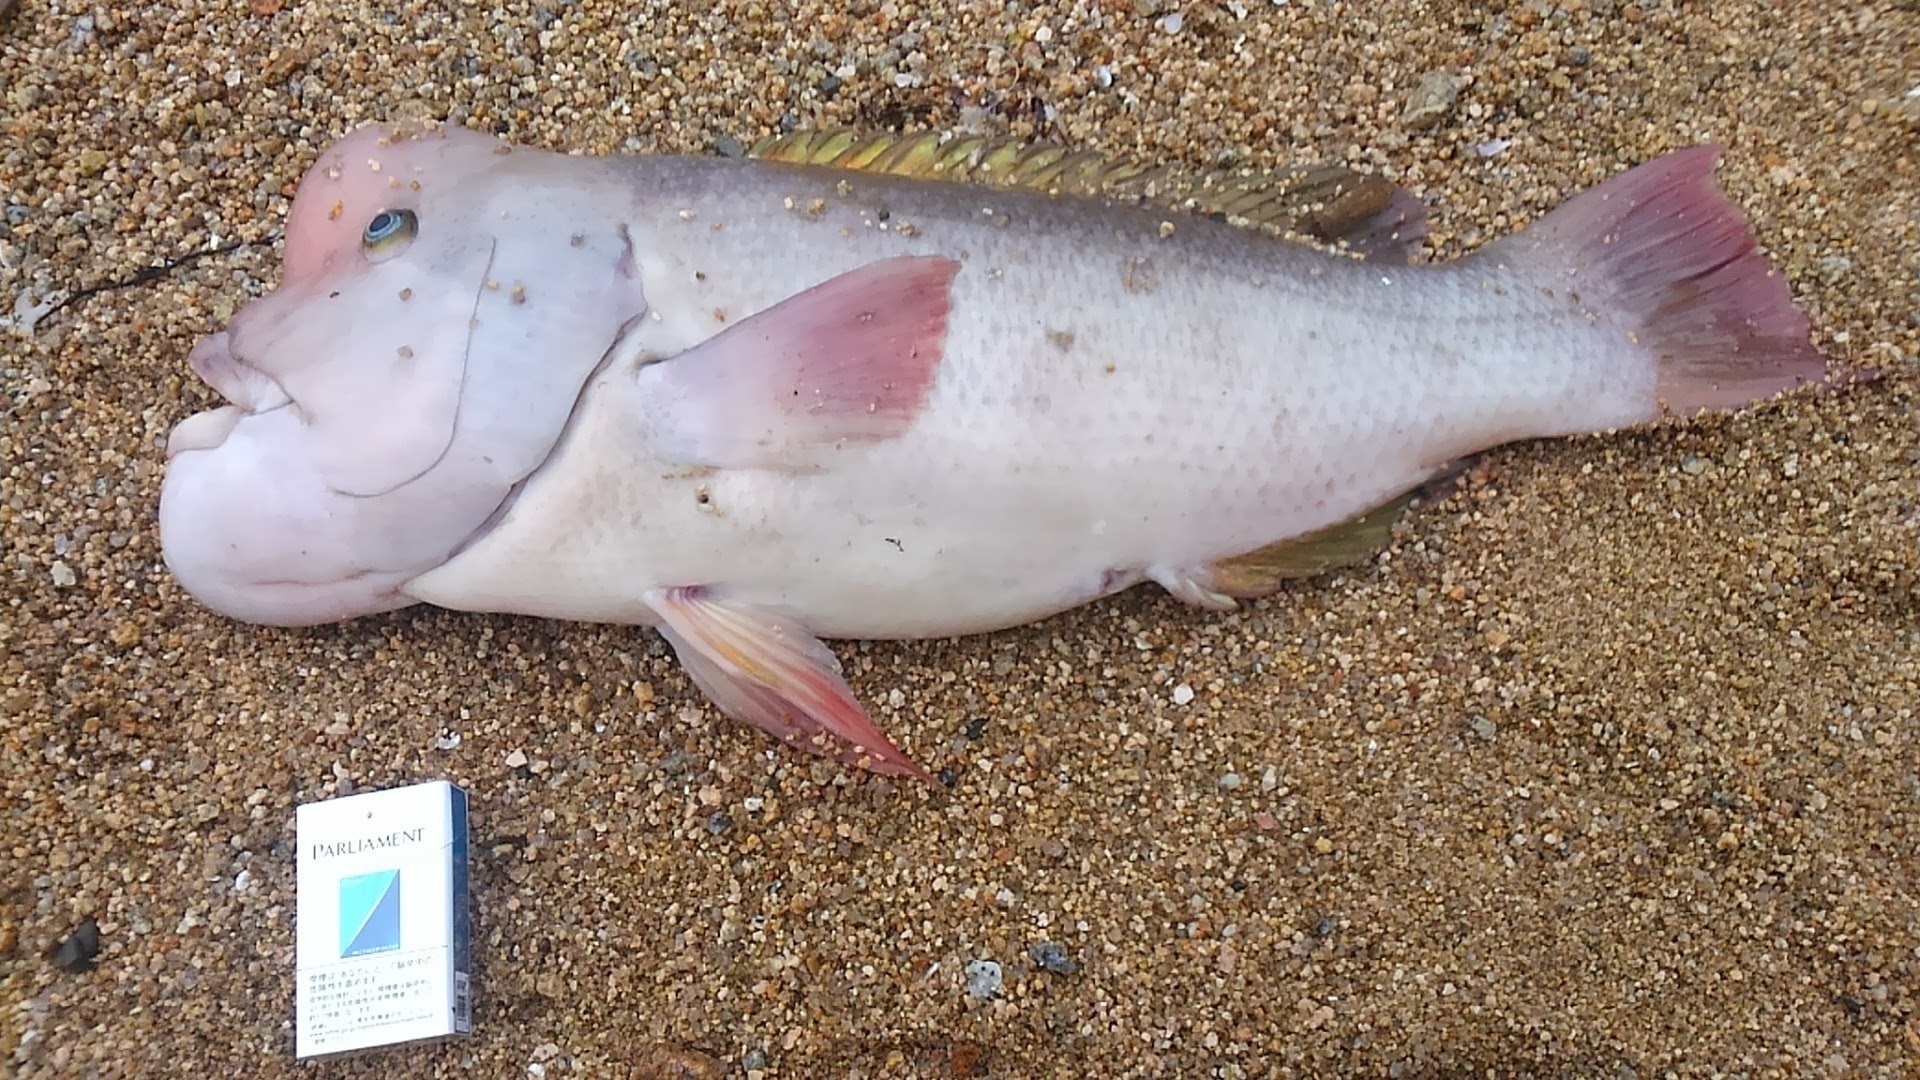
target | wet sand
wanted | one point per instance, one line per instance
(1610, 766)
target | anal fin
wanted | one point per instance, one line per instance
(1261, 572)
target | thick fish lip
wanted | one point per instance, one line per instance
(248, 390)
(241, 383)
(204, 430)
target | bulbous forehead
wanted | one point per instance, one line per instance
(378, 167)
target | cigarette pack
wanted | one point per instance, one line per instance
(381, 920)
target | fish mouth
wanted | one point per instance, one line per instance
(248, 391)
(204, 430)
(252, 389)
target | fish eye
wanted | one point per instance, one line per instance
(389, 231)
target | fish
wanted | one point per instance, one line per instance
(902, 388)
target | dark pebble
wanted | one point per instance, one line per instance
(75, 955)
(1050, 955)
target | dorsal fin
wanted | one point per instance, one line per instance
(1325, 204)
(930, 155)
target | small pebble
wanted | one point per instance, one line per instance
(76, 954)
(1432, 100)
(983, 979)
(1182, 694)
(1053, 957)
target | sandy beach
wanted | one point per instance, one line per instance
(1608, 767)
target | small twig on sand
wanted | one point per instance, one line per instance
(149, 274)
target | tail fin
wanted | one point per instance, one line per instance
(1673, 254)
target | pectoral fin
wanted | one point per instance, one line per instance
(847, 363)
(766, 669)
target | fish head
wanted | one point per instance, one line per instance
(444, 297)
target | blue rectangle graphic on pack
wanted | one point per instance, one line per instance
(370, 913)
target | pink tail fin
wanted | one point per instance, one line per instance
(1669, 250)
